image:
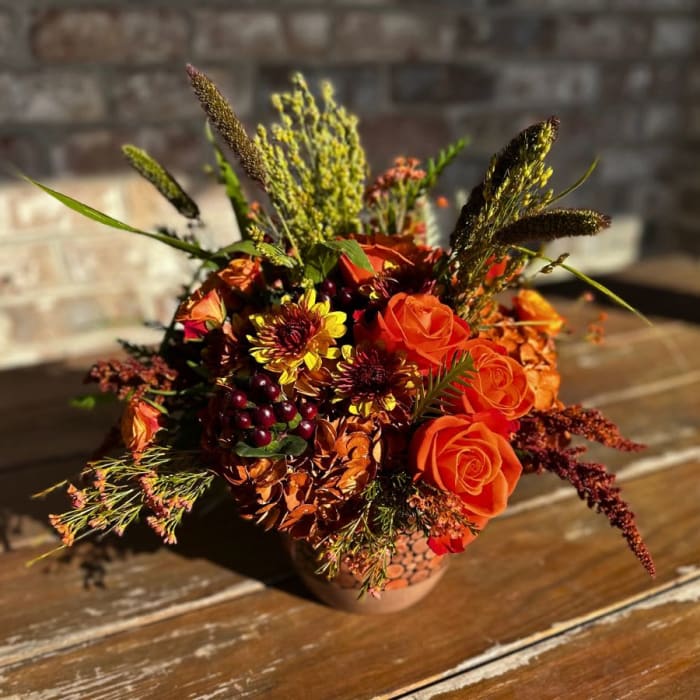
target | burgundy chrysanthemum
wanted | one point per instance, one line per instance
(375, 381)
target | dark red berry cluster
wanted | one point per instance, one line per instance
(341, 297)
(257, 411)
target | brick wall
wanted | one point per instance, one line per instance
(80, 77)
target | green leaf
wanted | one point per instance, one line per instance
(588, 280)
(87, 402)
(320, 260)
(95, 215)
(352, 249)
(291, 445)
(247, 247)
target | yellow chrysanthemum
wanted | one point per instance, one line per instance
(296, 333)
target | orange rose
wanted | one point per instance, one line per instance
(202, 312)
(140, 422)
(384, 253)
(421, 326)
(465, 456)
(499, 382)
(530, 305)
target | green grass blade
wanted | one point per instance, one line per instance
(588, 280)
(91, 213)
(576, 184)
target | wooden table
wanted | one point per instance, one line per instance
(548, 603)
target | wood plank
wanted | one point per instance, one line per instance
(642, 356)
(648, 649)
(524, 574)
(109, 585)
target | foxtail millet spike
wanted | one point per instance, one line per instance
(225, 121)
(542, 134)
(553, 224)
(161, 179)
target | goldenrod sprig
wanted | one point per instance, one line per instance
(315, 164)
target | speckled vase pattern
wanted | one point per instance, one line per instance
(413, 572)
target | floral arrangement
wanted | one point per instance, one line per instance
(345, 376)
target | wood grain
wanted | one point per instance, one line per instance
(524, 574)
(645, 650)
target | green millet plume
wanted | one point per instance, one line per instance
(225, 121)
(162, 180)
(549, 225)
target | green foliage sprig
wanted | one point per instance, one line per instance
(371, 534)
(434, 169)
(448, 383)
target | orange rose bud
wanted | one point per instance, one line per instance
(499, 382)
(462, 455)
(383, 252)
(140, 422)
(419, 325)
(241, 274)
(530, 305)
(202, 312)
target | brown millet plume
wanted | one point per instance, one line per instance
(224, 119)
(550, 225)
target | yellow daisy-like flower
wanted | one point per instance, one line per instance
(295, 334)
